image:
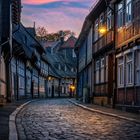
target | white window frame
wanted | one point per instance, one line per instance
(59, 66)
(137, 67)
(102, 19)
(97, 72)
(128, 11)
(102, 70)
(109, 20)
(96, 30)
(120, 72)
(120, 14)
(130, 72)
(65, 68)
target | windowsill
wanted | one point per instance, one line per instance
(129, 85)
(128, 24)
(137, 85)
(122, 86)
(120, 28)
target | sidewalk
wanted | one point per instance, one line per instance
(5, 112)
(108, 111)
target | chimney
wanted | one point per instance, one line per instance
(61, 33)
(34, 25)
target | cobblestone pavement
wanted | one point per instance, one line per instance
(58, 119)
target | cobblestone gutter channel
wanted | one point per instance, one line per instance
(13, 135)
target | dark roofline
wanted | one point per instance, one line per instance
(95, 12)
(40, 46)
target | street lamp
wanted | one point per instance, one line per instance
(103, 30)
(72, 88)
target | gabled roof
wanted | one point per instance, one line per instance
(69, 43)
(58, 59)
(47, 44)
(31, 30)
(94, 13)
(26, 40)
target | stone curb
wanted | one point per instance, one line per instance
(104, 113)
(12, 121)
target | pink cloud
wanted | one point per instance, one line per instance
(36, 2)
(57, 19)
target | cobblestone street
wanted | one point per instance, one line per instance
(58, 119)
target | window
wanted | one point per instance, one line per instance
(109, 20)
(65, 68)
(120, 14)
(59, 66)
(97, 71)
(120, 72)
(73, 53)
(72, 69)
(106, 68)
(129, 68)
(101, 23)
(21, 82)
(96, 32)
(138, 67)
(128, 11)
(102, 69)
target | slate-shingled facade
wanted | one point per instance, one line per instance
(23, 67)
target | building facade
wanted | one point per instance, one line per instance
(128, 52)
(62, 68)
(115, 53)
(23, 71)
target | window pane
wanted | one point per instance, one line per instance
(120, 14)
(128, 10)
(129, 73)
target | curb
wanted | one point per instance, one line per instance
(12, 121)
(104, 113)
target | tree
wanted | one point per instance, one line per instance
(42, 34)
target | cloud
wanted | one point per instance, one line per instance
(56, 14)
(36, 2)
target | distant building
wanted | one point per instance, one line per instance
(62, 69)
